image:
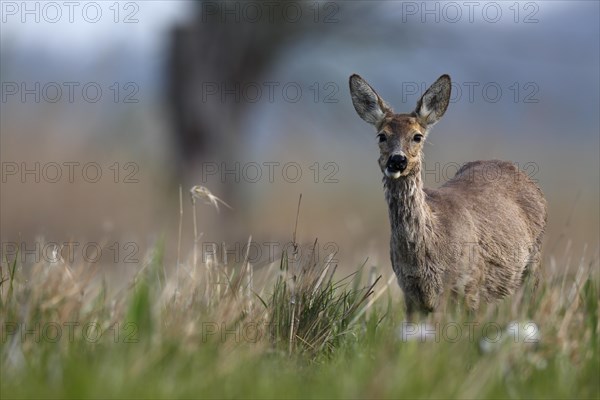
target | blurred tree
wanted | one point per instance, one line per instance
(220, 49)
(226, 45)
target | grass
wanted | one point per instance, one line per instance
(292, 329)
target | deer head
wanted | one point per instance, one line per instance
(401, 136)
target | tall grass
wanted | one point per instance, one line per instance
(292, 328)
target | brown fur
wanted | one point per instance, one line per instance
(478, 235)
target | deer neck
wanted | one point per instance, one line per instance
(411, 218)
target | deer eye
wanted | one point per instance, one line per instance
(382, 138)
(418, 137)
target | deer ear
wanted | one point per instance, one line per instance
(367, 103)
(434, 102)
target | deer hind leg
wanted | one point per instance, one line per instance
(533, 264)
(472, 296)
(411, 308)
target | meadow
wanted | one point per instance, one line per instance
(166, 312)
(295, 328)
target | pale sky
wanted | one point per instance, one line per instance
(82, 36)
(154, 17)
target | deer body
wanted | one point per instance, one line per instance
(477, 236)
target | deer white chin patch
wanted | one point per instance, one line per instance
(393, 175)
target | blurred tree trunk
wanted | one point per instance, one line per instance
(215, 49)
(211, 54)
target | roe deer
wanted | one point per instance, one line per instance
(478, 235)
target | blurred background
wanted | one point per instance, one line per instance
(109, 107)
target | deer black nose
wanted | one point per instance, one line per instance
(397, 163)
